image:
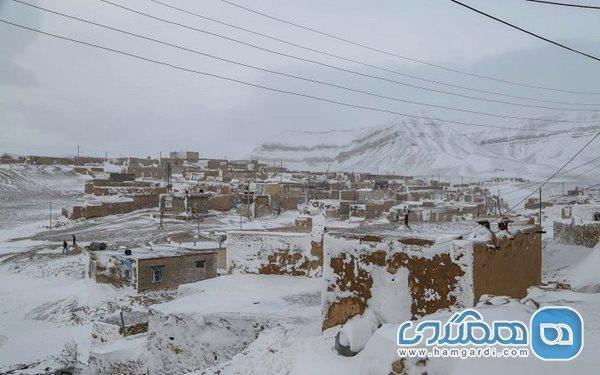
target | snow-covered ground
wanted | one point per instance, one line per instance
(46, 300)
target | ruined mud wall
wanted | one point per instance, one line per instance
(577, 234)
(106, 269)
(274, 253)
(396, 279)
(511, 267)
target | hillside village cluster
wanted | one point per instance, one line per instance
(358, 252)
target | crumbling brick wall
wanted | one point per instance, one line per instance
(274, 253)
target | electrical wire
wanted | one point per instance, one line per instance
(324, 83)
(268, 88)
(320, 63)
(486, 77)
(526, 31)
(565, 4)
(378, 67)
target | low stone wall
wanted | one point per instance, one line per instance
(274, 253)
(577, 234)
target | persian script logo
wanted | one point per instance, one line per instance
(554, 334)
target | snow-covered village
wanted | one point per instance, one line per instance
(311, 187)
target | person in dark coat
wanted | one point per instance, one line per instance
(74, 244)
(65, 247)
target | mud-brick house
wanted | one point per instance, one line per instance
(396, 274)
(176, 204)
(146, 269)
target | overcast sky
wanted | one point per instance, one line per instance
(55, 95)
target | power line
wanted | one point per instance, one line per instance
(286, 74)
(564, 4)
(405, 57)
(512, 209)
(526, 31)
(557, 172)
(320, 63)
(384, 69)
(268, 88)
(564, 173)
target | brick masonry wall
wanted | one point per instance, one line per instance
(178, 270)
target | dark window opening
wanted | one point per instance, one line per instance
(200, 264)
(158, 273)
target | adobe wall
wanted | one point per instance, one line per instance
(287, 202)
(406, 278)
(397, 279)
(104, 269)
(274, 253)
(220, 202)
(577, 234)
(509, 269)
(178, 270)
(157, 172)
(138, 202)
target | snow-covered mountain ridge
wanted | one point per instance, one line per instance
(424, 147)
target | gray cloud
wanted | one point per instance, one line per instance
(56, 95)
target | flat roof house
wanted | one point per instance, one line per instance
(158, 268)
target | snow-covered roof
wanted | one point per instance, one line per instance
(285, 296)
(161, 251)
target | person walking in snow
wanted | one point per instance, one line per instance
(74, 244)
(65, 247)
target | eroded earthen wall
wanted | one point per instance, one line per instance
(510, 268)
(274, 253)
(398, 279)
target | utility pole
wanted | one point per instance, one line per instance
(498, 203)
(563, 188)
(281, 171)
(50, 214)
(540, 208)
(106, 156)
(77, 154)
